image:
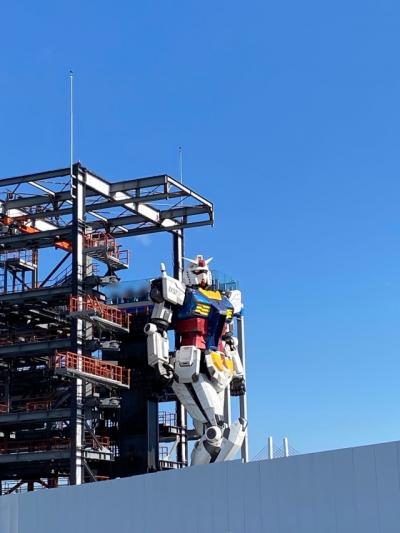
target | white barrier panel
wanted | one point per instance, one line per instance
(356, 490)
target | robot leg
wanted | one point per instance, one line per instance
(219, 442)
(206, 449)
(218, 445)
(204, 405)
(186, 395)
(232, 440)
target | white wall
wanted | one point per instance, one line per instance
(356, 490)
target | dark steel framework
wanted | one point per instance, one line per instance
(75, 399)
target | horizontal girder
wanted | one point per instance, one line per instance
(137, 200)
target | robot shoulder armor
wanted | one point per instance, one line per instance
(235, 298)
(173, 290)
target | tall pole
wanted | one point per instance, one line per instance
(180, 149)
(77, 408)
(270, 448)
(71, 122)
(243, 399)
(285, 447)
(77, 422)
(181, 415)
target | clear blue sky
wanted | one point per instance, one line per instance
(289, 116)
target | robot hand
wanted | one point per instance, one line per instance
(164, 373)
(230, 340)
(238, 386)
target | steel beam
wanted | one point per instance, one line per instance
(77, 327)
(29, 457)
(103, 188)
(157, 229)
(112, 203)
(6, 182)
(54, 270)
(13, 419)
(45, 294)
(107, 204)
(139, 183)
(28, 348)
(61, 197)
(42, 239)
(189, 192)
(31, 201)
(177, 212)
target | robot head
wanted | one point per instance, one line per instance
(197, 274)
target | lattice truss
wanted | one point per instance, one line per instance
(119, 208)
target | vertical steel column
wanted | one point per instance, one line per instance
(77, 408)
(181, 415)
(35, 272)
(243, 399)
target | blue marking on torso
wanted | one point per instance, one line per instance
(216, 316)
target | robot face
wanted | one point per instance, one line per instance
(198, 274)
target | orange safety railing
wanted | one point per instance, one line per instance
(104, 240)
(107, 312)
(89, 365)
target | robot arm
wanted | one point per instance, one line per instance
(165, 292)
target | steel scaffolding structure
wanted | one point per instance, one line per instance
(75, 400)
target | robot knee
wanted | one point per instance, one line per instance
(213, 435)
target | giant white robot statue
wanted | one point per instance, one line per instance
(207, 361)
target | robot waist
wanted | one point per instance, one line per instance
(195, 325)
(202, 342)
(194, 332)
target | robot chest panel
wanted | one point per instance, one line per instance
(206, 304)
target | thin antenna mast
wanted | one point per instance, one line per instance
(71, 121)
(180, 163)
(180, 151)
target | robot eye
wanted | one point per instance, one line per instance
(197, 272)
